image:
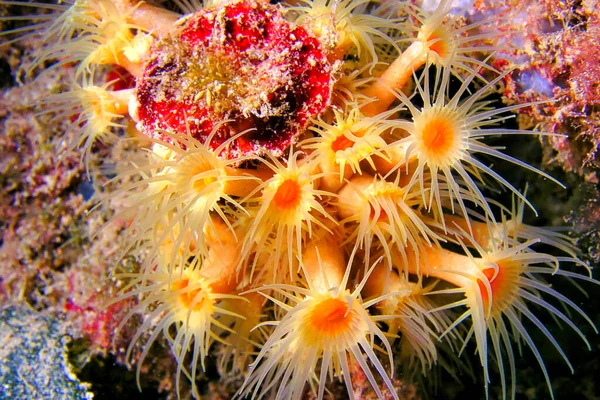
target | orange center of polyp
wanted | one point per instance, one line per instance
(438, 136)
(382, 217)
(341, 143)
(188, 298)
(198, 170)
(489, 274)
(200, 184)
(437, 44)
(502, 285)
(330, 317)
(288, 195)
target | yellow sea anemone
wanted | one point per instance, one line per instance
(497, 289)
(342, 146)
(445, 134)
(448, 41)
(93, 111)
(184, 301)
(286, 210)
(183, 305)
(343, 28)
(440, 39)
(57, 25)
(381, 214)
(185, 187)
(324, 327)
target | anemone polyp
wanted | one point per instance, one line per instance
(497, 288)
(94, 111)
(288, 194)
(345, 30)
(194, 299)
(324, 329)
(328, 320)
(438, 43)
(182, 302)
(379, 214)
(340, 148)
(500, 278)
(445, 134)
(286, 210)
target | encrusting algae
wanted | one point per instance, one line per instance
(314, 199)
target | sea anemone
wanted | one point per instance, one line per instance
(325, 322)
(92, 33)
(92, 111)
(182, 306)
(439, 38)
(54, 25)
(445, 133)
(446, 40)
(497, 288)
(184, 187)
(381, 214)
(302, 193)
(345, 29)
(341, 147)
(286, 210)
(184, 301)
(511, 230)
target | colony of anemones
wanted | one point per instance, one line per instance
(314, 186)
